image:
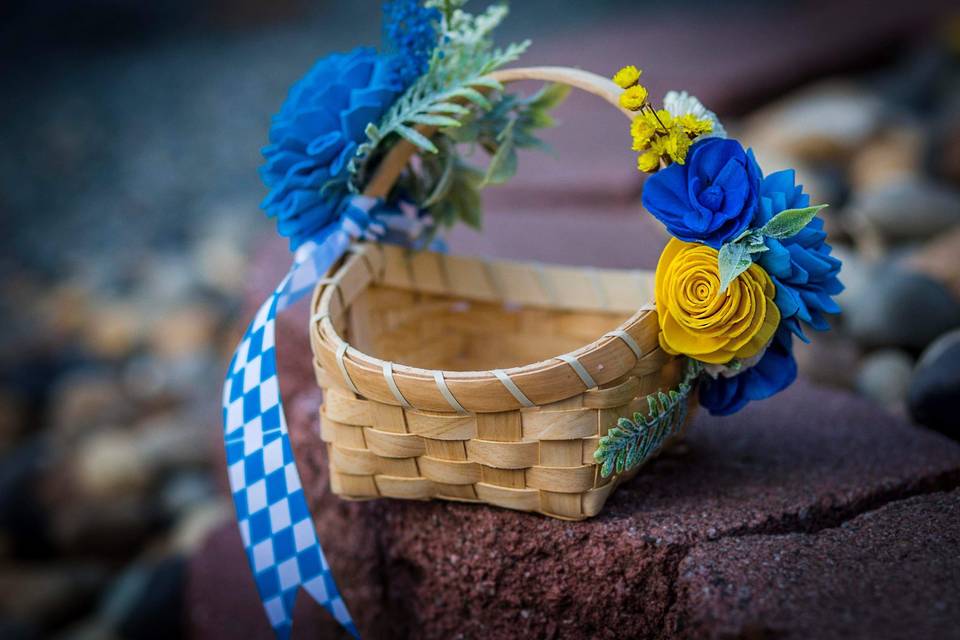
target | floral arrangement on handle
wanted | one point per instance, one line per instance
(340, 120)
(746, 268)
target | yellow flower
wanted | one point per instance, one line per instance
(648, 162)
(677, 144)
(634, 98)
(642, 131)
(694, 126)
(698, 320)
(662, 119)
(627, 77)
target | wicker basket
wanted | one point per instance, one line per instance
(424, 360)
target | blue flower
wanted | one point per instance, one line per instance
(316, 133)
(410, 32)
(775, 371)
(712, 198)
(800, 266)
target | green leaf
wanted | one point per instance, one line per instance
(444, 182)
(470, 209)
(549, 97)
(632, 442)
(468, 133)
(470, 94)
(449, 107)
(734, 259)
(540, 119)
(372, 132)
(607, 468)
(463, 198)
(488, 82)
(416, 138)
(435, 120)
(790, 222)
(503, 164)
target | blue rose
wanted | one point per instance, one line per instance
(801, 267)
(712, 198)
(316, 133)
(775, 371)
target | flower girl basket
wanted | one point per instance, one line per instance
(482, 380)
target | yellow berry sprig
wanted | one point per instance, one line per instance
(659, 136)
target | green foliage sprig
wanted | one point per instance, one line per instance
(435, 97)
(468, 108)
(736, 257)
(457, 76)
(632, 442)
(511, 124)
(451, 185)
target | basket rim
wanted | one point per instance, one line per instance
(606, 359)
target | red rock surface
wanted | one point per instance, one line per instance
(889, 573)
(710, 517)
(680, 550)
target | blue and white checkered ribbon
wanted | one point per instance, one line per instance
(275, 522)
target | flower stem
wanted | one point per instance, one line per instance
(654, 112)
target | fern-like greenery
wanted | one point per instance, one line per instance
(632, 442)
(449, 186)
(457, 77)
(511, 124)
(469, 109)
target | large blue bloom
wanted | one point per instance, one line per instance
(800, 266)
(775, 372)
(317, 132)
(712, 198)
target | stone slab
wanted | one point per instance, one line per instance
(889, 573)
(802, 464)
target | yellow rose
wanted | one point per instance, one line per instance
(697, 320)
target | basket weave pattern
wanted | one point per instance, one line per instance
(520, 437)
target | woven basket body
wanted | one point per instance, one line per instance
(390, 427)
(481, 381)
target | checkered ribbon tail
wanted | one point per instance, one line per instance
(275, 522)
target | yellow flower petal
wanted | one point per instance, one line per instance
(634, 98)
(696, 320)
(641, 132)
(694, 126)
(677, 144)
(627, 77)
(649, 162)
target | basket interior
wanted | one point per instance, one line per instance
(435, 331)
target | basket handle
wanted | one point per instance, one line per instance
(397, 158)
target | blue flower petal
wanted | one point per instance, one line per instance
(800, 264)
(354, 121)
(315, 134)
(711, 198)
(324, 148)
(775, 372)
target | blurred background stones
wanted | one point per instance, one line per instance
(129, 198)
